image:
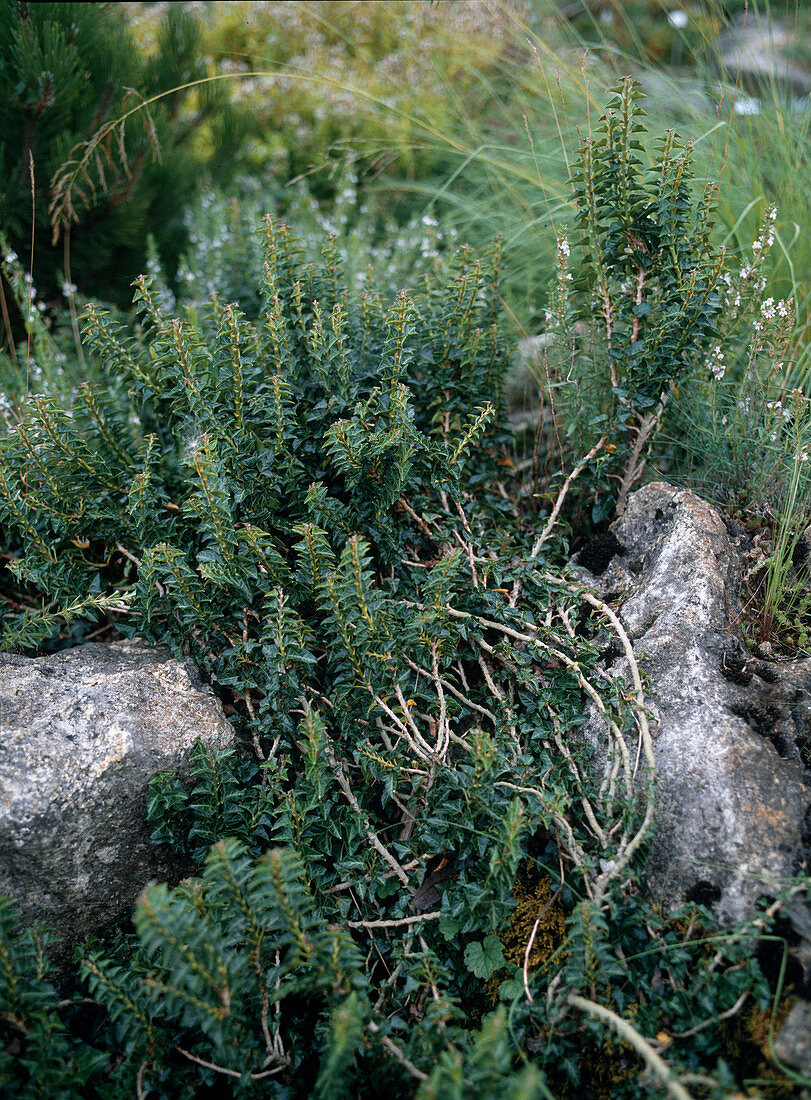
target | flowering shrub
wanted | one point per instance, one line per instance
(744, 433)
(372, 251)
(337, 75)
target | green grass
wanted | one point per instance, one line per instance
(508, 163)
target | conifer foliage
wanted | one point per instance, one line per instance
(70, 158)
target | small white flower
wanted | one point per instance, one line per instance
(10, 257)
(678, 18)
(68, 289)
(564, 246)
(717, 363)
(756, 246)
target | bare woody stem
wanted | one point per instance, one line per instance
(641, 1045)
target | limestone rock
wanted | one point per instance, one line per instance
(81, 732)
(732, 792)
(757, 52)
(793, 1045)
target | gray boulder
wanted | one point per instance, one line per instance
(793, 1044)
(732, 793)
(758, 51)
(731, 734)
(81, 732)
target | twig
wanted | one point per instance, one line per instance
(365, 924)
(392, 1048)
(139, 1080)
(553, 518)
(563, 748)
(123, 550)
(448, 686)
(340, 887)
(714, 1019)
(641, 714)
(371, 835)
(389, 982)
(636, 464)
(535, 927)
(403, 731)
(467, 547)
(443, 725)
(420, 522)
(659, 1067)
(533, 934)
(495, 690)
(224, 1069)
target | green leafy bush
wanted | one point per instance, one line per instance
(310, 498)
(641, 306)
(38, 1054)
(311, 505)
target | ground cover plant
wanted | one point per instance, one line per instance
(408, 878)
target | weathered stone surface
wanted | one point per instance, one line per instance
(757, 51)
(732, 791)
(81, 732)
(793, 1045)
